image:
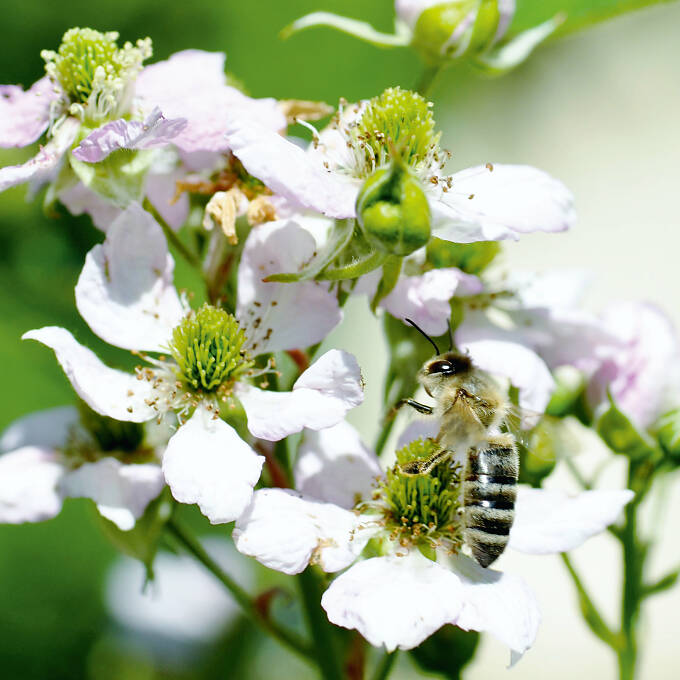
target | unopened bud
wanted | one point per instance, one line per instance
(393, 212)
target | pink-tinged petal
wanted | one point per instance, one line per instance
(556, 288)
(28, 485)
(395, 601)
(125, 291)
(120, 491)
(497, 603)
(423, 428)
(285, 531)
(107, 391)
(278, 316)
(45, 429)
(506, 11)
(523, 367)
(24, 116)
(45, 162)
(287, 170)
(425, 299)
(161, 190)
(638, 373)
(192, 85)
(207, 463)
(491, 205)
(78, 199)
(335, 466)
(321, 397)
(552, 521)
(155, 130)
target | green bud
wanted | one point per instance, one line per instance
(668, 434)
(472, 258)
(393, 212)
(622, 437)
(537, 460)
(456, 29)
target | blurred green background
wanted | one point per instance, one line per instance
(596, 109)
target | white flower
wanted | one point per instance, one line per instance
(484, 203)
(49, 456)
(400, 598)
(125, 294)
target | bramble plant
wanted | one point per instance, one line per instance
(233, 407)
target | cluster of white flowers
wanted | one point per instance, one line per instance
(297, 231)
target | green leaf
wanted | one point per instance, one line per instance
(390, 275)
(357, 258)
(448, 651)
(668, 433)
(143, 540)
(339, 238)
(622, 437)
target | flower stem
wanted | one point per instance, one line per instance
(386, 665)
(319, 627)
(172, 237)
(427, 79)
(285, 637)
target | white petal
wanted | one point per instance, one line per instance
(107, 391)
(421, 428)
(280, 316)
(28, 485)
(394, 601)
(321, 397)
(40, 167)
(425, 299)
(523, 367)
(125, 291)
(335, 466)
(285, 531)
(287, 170)
(497, 603)
(552, 521)
(161, 190)
(207, 463)
(507, 201)
(24, 116)
(78, 199)
(120, 491)
(154, 130)
(44, 429)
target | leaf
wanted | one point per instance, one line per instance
(357, 258)
(390, 275)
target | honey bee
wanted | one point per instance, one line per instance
(472, 408)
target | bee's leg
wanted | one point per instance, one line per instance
(421, 408)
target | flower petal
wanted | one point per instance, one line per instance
(207, 463)
(287, 170)
(549, 521)
(490, 205)
(78, 199)
(321, 397)
(285, 531)
(43, 429)
(281, 316)
(120, 491)
(125, 291)
(523, 367)
(40, 167)
(28, 485)
(24, 116)
(335, 466)
(107, 391)
(497, 603)
(192, 85)
(426, 299)
(154, 130)
(396, 601)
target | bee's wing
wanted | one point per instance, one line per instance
(519, 422)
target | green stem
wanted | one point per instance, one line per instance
(426, 82)
(319, 627)
(285, 637)
(577, 474)
(384, 436)
(172, 237)
(385, 666)
(590, 612)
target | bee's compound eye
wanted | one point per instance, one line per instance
(442, 367)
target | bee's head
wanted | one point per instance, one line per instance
(443, 370)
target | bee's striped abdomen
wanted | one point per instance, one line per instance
(489, 492)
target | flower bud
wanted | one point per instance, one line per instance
(472, 258)
(450, 30)
(668, 434)
(393, 212)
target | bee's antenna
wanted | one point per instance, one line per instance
(448, 325)
(424, 334)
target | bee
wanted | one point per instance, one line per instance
(472, 408)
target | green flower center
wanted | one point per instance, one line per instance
(93, 71)
(422, 496)
(208, 349)
(398, 120)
